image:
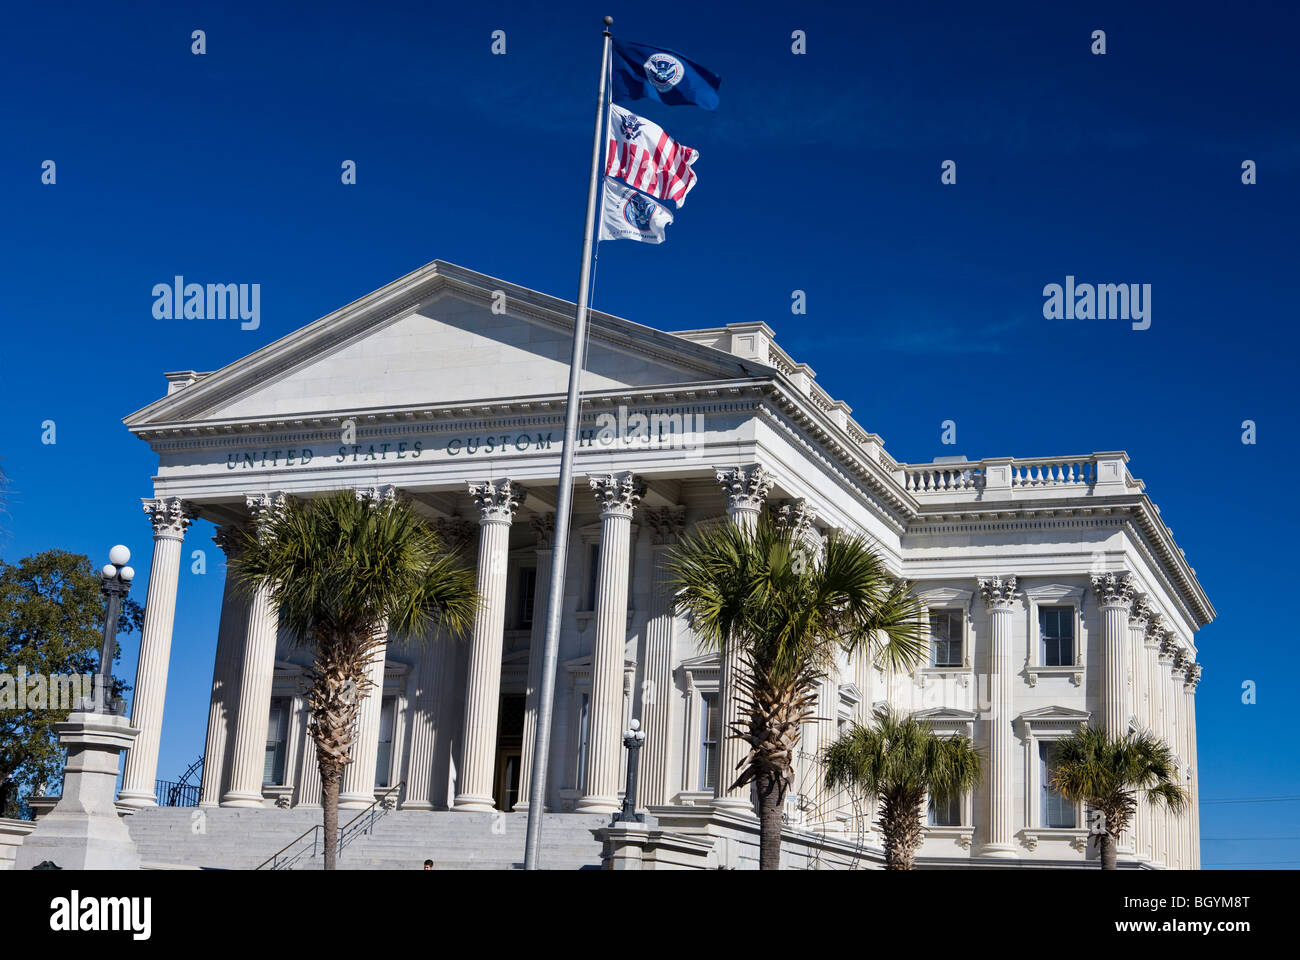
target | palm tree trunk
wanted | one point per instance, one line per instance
(331, 775)
(771, 801)
(1109, 852)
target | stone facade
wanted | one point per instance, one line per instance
(1059, 595)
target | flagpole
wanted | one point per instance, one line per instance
(564, 499)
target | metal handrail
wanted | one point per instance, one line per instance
(343, 831)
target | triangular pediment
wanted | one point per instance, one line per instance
(440, 335)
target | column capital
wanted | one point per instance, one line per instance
(1168, 647)
(497, 500)
(999, 593)
(230, 538)
(170, 516)
(745, 487)
(1193, 677)
(453, 532)
(1141, 612)
(796, 515)
(543, 525)
(264, 506)
(666, 524)
(617, 493)
(383, 495)
(1155, 629)
(1114, 589)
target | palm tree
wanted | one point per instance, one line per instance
(897, 762)
(789, 612)
(343, 571)
(1108, 773)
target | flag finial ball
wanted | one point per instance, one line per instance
(609, 21)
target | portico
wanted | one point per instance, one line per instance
(1046, 575)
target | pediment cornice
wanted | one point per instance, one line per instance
(402, 296)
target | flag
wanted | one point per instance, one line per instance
(643, 156)
(630, 215)
(654, 73)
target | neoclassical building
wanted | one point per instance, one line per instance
(1056, 593)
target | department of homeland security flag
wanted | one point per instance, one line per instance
(629, 215)
(655, 73)
(643, 156)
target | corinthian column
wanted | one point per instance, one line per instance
(655, 786)
(170, 517)
(357, 789)
(1164, 728)
(497, 502)
(1115, 595)
(543, 525)
(1193, 813)
(1001, 599)
(746, 488)
(256, 674)
(225, 675)
(618, 495)
(1139, 617)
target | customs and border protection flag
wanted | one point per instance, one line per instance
(628, 214)
(643, 156)
(657, 73)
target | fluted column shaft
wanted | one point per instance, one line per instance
(257, 670)
(544, 526)
(618, 495)
(170, 519)
(746, 489)
(424, 723)
(1138, 619)
(1162, 729)
(655, 787)
(497, 502)
(1194, 811)
(1115, 592)
(357, 789)
(307, 788)
(225, 678)
(1001, 599)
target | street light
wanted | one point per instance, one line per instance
(633, 740)
(115, 583)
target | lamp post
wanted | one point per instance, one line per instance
(115, 583)
(633, 740)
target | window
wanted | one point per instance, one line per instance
(593, 574)
(524, 602)
(1056, 633)
(946, 813)
(1057, 811)
(710, 729)
(277, 738)
(945, 638)
(384, 764)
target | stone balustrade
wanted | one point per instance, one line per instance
(1006, 477)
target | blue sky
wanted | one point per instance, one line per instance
(818, 173)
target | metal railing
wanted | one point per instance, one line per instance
(360, 825)
(171, 793)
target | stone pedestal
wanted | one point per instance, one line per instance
(84, 831)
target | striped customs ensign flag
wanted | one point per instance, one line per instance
(642, 155)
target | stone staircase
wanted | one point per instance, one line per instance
(238, 839)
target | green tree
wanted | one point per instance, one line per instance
(1108, 773)
(342, 571)
(897, 762)
(51, 623)
(790, 609)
